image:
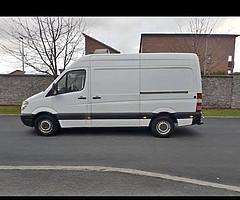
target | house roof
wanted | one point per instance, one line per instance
(111, 48)
(16, 72)
(187, 34)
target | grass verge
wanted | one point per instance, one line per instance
(206, 112)
(221, 112)
(10, 110)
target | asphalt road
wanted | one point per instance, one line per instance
(209, 152)
(96, 183)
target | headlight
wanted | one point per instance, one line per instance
(24, 105)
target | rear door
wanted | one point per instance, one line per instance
(115, 93)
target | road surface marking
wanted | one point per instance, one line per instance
(126, 171)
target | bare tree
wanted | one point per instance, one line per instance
(198, 44)
(50, 43)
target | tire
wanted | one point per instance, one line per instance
(46, 125)
(162, 127)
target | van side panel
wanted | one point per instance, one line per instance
(167, 85)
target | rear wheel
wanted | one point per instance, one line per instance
(46, 125)
(162, 127)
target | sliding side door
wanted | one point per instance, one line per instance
(115, 92)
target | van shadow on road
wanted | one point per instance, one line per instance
(124, 131)
(180, 132)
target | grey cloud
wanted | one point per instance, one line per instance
(123, 33)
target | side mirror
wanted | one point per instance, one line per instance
(54, 88)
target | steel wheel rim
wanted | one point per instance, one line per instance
(45, 126)
(163, 127)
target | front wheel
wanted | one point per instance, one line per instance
(46, 125)
(162, 127)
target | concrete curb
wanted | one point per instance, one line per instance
(126, 171)
(222, 117)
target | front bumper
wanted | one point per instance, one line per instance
(27, 119)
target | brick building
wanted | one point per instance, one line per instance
(17, 72)
(91, 44)
(215, 51)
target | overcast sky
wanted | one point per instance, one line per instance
(123, 33)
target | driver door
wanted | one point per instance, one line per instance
(72, 100)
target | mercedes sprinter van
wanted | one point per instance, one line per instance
(158, 90)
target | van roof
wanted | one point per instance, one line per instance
(173, 56)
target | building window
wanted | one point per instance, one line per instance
(229, 58)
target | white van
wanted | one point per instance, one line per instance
(159, 90)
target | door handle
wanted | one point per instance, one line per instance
(82, 97)
(97, 97)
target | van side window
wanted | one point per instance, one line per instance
(71, 82)
(61, 85)
(75, 80)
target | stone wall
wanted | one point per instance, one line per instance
(236, 91)
(16, 88)
(218, 91)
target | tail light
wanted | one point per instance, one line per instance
(199, 102)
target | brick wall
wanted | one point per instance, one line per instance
(218, 47)
(16, 88)
(218, 91)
